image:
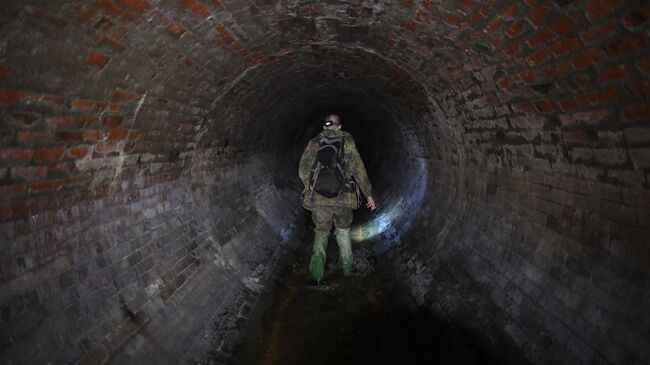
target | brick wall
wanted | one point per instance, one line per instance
(147, 154)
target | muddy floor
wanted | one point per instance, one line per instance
(350, 320)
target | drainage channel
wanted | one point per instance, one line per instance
(350, 320)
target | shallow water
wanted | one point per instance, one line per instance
(350, 320)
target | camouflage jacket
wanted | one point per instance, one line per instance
(354, 165)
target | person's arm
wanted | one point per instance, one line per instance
(358, 170)
(306, 162)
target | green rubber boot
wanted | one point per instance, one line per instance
(345, 250)
(317, 261)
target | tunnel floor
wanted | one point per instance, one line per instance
(350, 320)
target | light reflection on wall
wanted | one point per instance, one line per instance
(388, 219)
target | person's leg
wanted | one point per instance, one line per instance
(322, 218)
(342, 222)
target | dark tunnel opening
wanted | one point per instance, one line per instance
(385, 110)
(150, 206)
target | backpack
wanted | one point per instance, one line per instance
(328, 177)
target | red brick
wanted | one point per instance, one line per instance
(113, 43)
(218, 6)
(512, 48)
(97, 59)
(539, 14)
(564, 25)
(644, 64)
(118, 134)
(640, 90)
(573, 102)
(106, 147)
(318, 8)
(23, 136)
(86, 120)
(582, 80)
(83, 104)
(51, 99)
(545, 106)
(578, 137)
(49, 154)
(528, 122)
(630, 44)
(63, 166)
(495, 41)
(9, 154)
(80, 181)
(503, 83)
(516, 28)
(28, 173)
(112, 121)
(636, 112)
(600, 8)
(491, 99)
(494, 24)
(556, 69)
(133, 134)
(538, 57)
(540, 37)
(90, 15)
(587, 58)
(491, 189)
(107, 106)
(59, 121)
(123, 95)
(46, 185)
(453, 20)
(129, 147)
(473, 20)
(635, 235)
(529, 76)
(7, 192)
(92, 136)
(566, 46)
(79, 151)
(636, 18)
(111, 7)
(23, 119)
(69, 135)
(138, 5)
(599, 32)
(601, 96)
(510, 11)
(614, 72)
(14, 211)
(525, 107)
(11, 96)
(586, 118)
(120, 33)
(196, 7)
(486, 7)
(177, 29)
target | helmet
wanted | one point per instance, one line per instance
(332, 121)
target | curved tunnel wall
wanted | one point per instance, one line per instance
(149, 148)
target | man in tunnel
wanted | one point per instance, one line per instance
(332, 172)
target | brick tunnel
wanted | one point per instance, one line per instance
(149, 199)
